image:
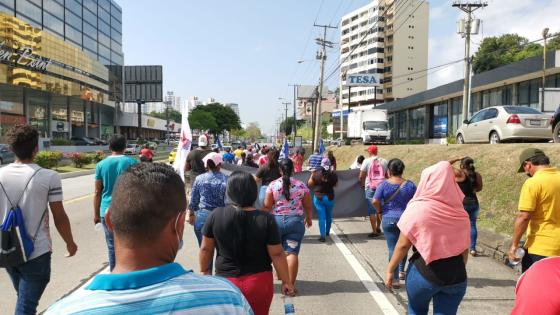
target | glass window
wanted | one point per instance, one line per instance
(92, 54)
(90, 30)
(485, 99)
(116, 23)
(30, 10)
(59, 117)
(73, 34)
(31, 22)
(77, 117)
(105, 28)
(439, 123)
(104, 52)
(478, 117)
(401, 125)
(74, 20)
(90, 17)
(105, 61)
(37, 111)
(456, 114)
(53, 24)
(117, 59)
(90, 44)
(523, 93)
(104, 15)
(104, 39)
(115, 35)
(105, 4)
(54, 8)
(11, 108)
(476, 102)
(491, 113)
(116, 47)
(7, 3)
(91, 5)
(521, 110)
(507, 95)
(417, 117)
(534, 86)
(74, 6)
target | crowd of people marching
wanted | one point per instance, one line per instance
(250, 227)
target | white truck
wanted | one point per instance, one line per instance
(369, 124)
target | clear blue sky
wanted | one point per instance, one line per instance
(245, 51)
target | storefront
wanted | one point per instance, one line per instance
(51, 84)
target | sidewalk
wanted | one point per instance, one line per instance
(491, 285)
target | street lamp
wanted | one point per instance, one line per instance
(544, 35)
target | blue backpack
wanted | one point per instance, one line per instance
(16, 245)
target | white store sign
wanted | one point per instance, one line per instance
(362, 79)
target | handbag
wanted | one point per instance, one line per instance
(16, 245)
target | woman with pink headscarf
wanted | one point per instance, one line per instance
(437, 227)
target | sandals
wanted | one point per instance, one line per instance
(373, 235)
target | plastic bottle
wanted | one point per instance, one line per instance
(519, 253)
(289, 308)
(98, 227)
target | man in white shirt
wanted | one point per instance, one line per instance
(44, 189)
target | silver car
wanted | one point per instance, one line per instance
(502, 123)
(6, 156)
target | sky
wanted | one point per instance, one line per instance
(246, 51)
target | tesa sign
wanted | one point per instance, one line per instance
(361, 79)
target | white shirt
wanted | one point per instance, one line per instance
(45, 187)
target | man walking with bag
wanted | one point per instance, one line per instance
(372, 173)
(26, 193)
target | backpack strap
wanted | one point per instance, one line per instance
(22, 193)
(396, 192)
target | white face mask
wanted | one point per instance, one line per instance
(179, 239)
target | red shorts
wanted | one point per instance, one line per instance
(257, 289)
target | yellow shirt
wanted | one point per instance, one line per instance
(237, 153)
(540, 195)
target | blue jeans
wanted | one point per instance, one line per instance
(110, 244)
(30, 280)
(262, 194)
(292, 229)
(200, 219)
(369, 196)
(392, 234)
(420, 292)
(324, 208)
(472, 210)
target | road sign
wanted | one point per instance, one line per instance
(362, 79)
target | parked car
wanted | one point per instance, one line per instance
(6, 155)
(505, 123)
(556, 126)
(172, 156)
(82, 141)
(98, 141)
(131, 149)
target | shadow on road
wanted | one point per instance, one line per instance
(482, 282)
(318, 288)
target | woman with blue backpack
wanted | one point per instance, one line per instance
(372, 173)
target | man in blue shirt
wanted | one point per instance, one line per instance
(106, 174)
(147, 217)
(315, 161)
(228, 157)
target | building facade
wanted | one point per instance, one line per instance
(388, 38)
(60, 66)
(433, 115)
(234, 107)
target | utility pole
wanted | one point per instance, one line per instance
(140, 102)
(321, 55)
(286, 128)
(465, 28)
(167, 103)
(544, 35)
(295, 115)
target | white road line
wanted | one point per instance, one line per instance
(379, 297)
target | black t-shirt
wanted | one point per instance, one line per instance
(325, 181)
(442, 272)
(241, 239)
(268, 175)
(467, 187)
(195, 160)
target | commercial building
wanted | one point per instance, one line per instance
(234, 107)
(60, 66)
(388, 38)
(432, 115)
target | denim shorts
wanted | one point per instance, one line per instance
(369, 197)
(292, 229)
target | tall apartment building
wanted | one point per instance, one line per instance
(395, 48)
(234, 107)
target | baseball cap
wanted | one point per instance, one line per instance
(202, 141)
(528, 154)
(215, 157)
(372, 149)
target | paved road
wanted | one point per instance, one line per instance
(333, 276)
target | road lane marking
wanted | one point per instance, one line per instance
(66, 202)
(378, 296)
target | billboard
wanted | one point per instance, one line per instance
(362, 79)
(143, 83)
(310, 92)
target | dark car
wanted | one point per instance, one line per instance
(6, 155)
(82, 141)
(98, 141)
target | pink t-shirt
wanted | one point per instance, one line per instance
(262, 160)
(294, 206)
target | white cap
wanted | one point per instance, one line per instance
(215, 157)
(202, 141)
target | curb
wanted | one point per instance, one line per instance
(494, 245)
(89, 172)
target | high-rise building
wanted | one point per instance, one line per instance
(234, 107)
(60, 66)
(388, 38)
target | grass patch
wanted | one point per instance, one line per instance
(70, 168)
(497, 164)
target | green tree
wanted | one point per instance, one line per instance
(289, 123)
(173, 115)
(499, 51)
(253, 131)
(226, 118)
(238, 133)
(554, 42)
(200, 119)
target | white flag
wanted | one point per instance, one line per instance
(185, 141)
